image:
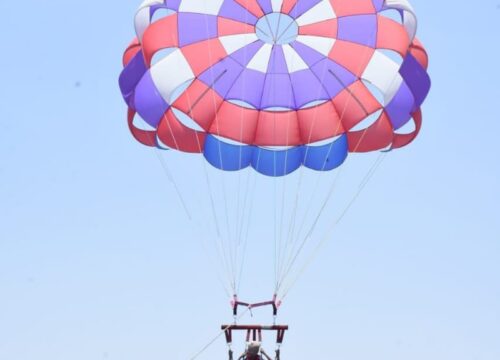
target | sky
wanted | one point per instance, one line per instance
(99, 261)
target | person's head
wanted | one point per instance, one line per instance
(253, 348)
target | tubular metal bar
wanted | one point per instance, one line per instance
(274, 303)
(254, 332)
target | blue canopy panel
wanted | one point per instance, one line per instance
(275, 163)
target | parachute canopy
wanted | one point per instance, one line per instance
(275, 84)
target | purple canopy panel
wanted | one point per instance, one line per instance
(360, 29)
(248, 87)
(222, 76)
(278, 92)
(173, 4)
(417, 79)
(234, 11)
(307, 88)
(334, 77)
(266, 6)
(401, 107)
(277, 62)
(303, 6)
(149, 103)
(244, 55)
(196, 27)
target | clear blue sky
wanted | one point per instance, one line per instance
(96, 257)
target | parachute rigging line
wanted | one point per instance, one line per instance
(215, 338)
(353, 95)
(171, 179)
(246, 236)
(364, 182)
(292, 224)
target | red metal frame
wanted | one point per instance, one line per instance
(275, 303)
(254, 332)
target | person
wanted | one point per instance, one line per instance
(254, 351)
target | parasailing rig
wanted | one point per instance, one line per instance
(254, 332)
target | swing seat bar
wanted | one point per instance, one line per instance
(254, 332)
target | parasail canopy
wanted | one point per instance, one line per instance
(275, 84)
